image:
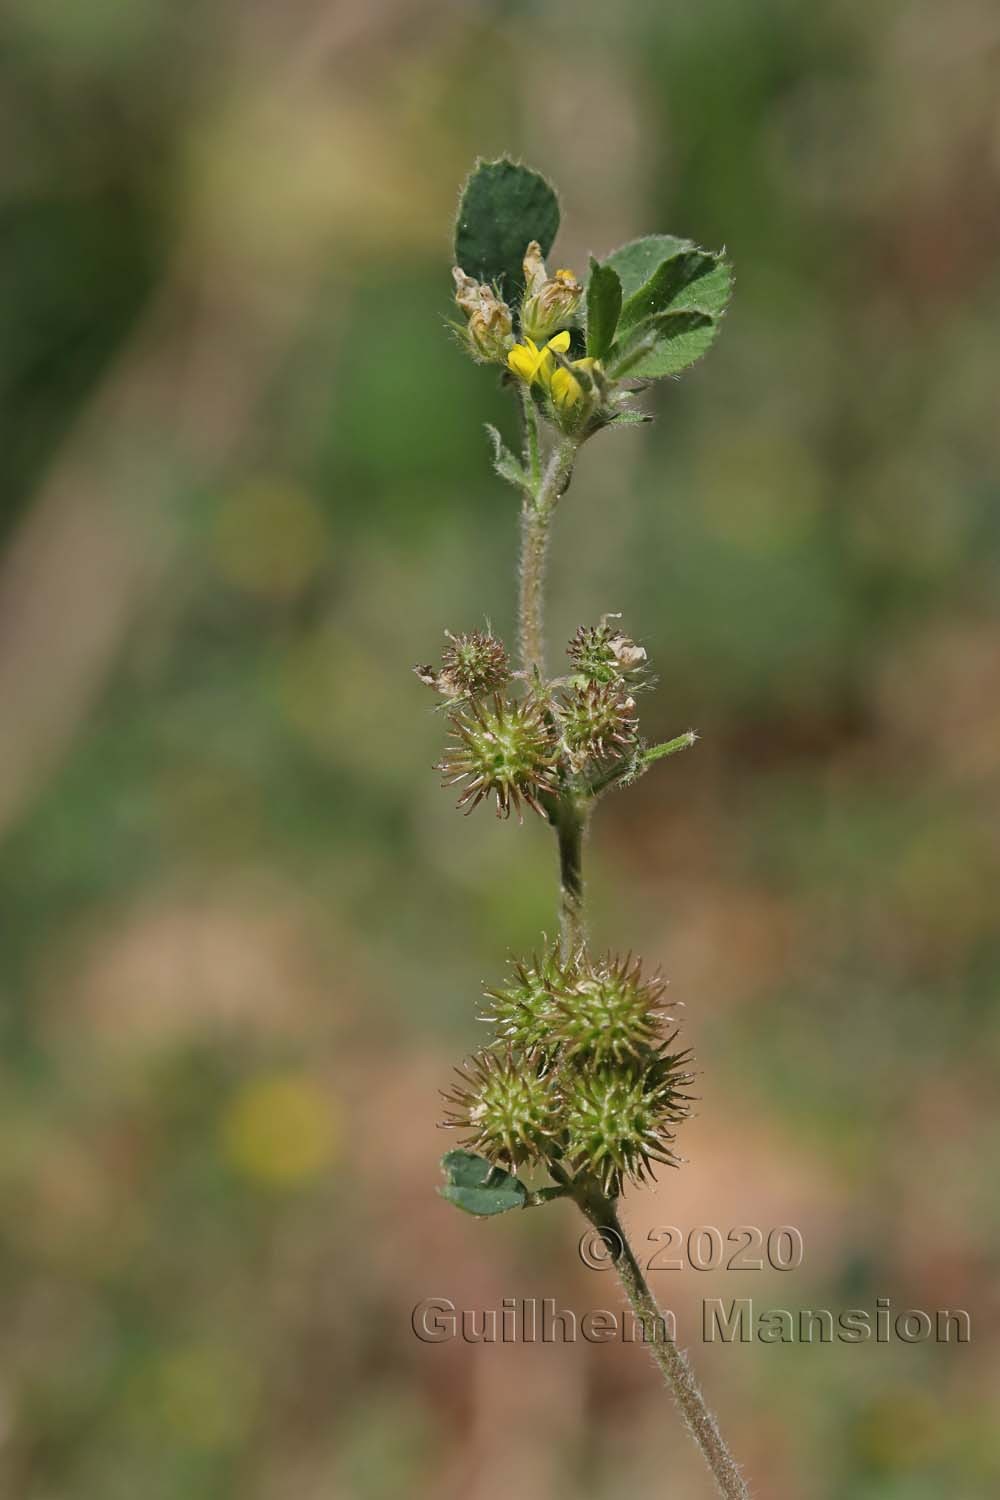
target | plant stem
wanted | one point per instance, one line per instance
(571, 819)
(532, 455)
(569, 814)
(670, 747)
(536, 518)
(534, 546)
(673, 1362)
(630, 770)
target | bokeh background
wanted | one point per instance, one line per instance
(245, 486)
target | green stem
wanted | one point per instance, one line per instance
(569, 814)
(571, 819)
(536, 519)
(532, 454)
(631, 770)
(669, 747)
(673, 1362)
(534, 549)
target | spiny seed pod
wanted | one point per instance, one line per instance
(609, 1012)
(507, 1104)
(602, 653)
(618, 1119)
(598, 721)
(525, 1010)
(471, 666)
(502, 749)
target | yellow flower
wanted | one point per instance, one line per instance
(280, 1130)
(530, 363)
(564, 388)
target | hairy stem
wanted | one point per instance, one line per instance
(569, 814)
(630, 770)
(532, 452)
(534, 547)
(571, 819)
(536, 519)
(673, 1362)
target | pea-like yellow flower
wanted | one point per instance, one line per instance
(531, 364)
(564, 388)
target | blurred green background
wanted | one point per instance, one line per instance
(244, 487)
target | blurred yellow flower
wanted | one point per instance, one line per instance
(204, 1395)
(279, 1130)
(270, 538)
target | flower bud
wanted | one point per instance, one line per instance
(535, 274)
(489, 330)
(549, 302)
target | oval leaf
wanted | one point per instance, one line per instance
(476, 1186)
(503, 207)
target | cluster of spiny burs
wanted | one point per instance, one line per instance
(517, 741)
(581, 1076)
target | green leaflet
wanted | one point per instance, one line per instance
(604, 304)
(504, 462)
(680, 273)
(479, 1188)
(502, 208)
(636, 261)
(629, 417)
(663, 345)
(702, 287)
(664, 277)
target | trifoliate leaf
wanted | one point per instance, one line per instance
(683, 273)
(503, 207)
(663, 276)
(604, 304)
(504, 462)
(476, 1186)
(663, 345)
